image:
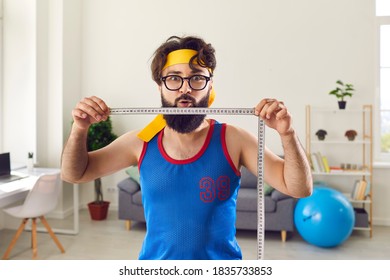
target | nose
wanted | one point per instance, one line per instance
(185, 88)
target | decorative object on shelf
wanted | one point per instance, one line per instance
(326, 218)
(351, 134)
(341, 91)
(30, 161)
(99, 135)
(321, 133)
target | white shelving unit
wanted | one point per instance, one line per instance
(340, 151)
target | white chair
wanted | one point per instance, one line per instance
(42, 199)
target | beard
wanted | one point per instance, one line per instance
(185, 123)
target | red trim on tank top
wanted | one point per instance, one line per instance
(141, 157)
(189, 160)
(226, 152)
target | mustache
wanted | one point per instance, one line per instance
(185, 97)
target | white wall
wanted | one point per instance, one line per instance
(19, 63)
(291, 50)
(41, 74)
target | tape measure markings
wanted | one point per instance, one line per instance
(183, 111)
(220, 111)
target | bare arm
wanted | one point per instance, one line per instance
(291, 175)
(79, 165)
(295, 167)
(74, 159)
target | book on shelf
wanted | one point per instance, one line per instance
(368, 190)
(314, 163)
(355, 189)
(319, 162)
(359, 191)
(326, 164)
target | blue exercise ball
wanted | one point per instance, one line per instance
(325, 219)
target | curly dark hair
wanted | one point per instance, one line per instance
(205, 56)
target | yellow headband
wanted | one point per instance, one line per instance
(158, 123)
(179, 57)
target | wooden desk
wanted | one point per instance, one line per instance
(18, 190)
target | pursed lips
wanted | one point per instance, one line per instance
(184, 103)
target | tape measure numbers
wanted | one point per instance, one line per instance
(220, 111)
(182, 111)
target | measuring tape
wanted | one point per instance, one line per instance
(220, 111)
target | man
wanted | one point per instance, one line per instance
(189, 165)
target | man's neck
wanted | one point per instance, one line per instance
(185, 145)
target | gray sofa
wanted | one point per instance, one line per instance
(278, 207)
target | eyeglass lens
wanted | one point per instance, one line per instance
(175, 82)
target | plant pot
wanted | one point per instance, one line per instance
(98, 211)
(321, 133)
(351, 134)
(342, 104)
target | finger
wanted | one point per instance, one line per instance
(96, 103)
(261, 105)
(281, 114)
(90, 111)
(272, 107)
(264, 111)
(94, 108)
(102, 105)
(79, 114)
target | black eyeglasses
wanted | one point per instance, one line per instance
(175, 82)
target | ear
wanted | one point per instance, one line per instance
(211, 84)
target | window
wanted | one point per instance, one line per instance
(382, 7)
(384, 87)
(383, 42)
(1, 75)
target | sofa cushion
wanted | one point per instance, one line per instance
(248, 180)
(133, 173)
(247, 201)
(269, 204)
(137, 198)
(128, 185)
(277, 195)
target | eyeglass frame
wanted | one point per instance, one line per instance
(207, 78)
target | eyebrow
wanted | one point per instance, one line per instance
(196, 71)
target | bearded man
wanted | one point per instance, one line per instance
(189, 165)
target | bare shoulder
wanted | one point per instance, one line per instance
(122, 152)
(243, 148)
(235, 133)
(131, 143)
(240, 144)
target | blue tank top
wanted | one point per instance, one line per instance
(190, 205)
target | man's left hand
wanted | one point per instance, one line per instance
(275, 115)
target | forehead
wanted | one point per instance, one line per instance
(185, 69)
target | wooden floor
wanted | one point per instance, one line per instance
(109, 240)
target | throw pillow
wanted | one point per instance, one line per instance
(267, 189)
(133, 173)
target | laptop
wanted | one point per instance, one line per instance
(5, 170)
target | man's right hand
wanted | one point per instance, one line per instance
(90, 110)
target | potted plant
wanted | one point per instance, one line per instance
(341, 91)
(99, 135)
(321, 133)
(351, 134)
